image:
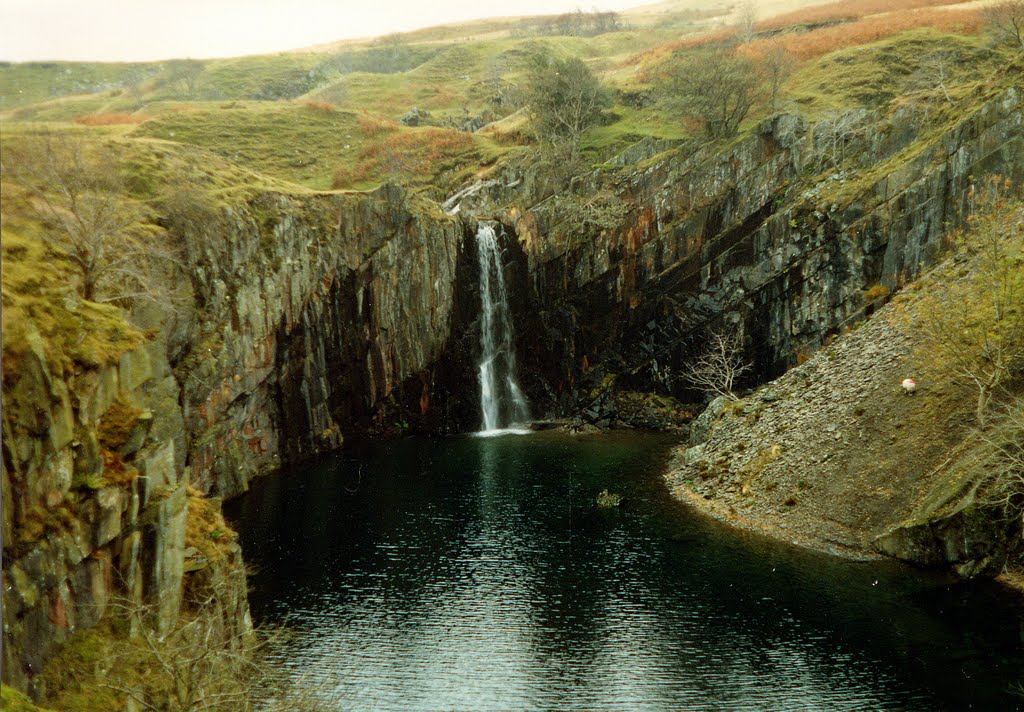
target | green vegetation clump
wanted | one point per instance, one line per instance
(910, 66)
(205, 528)
(37, 521)
(117, 424)
(565, 98)
(36, 299)
(319, 147)
(608, 500)
(14, 701)
(972, 329)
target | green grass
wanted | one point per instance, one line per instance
(32, 82)
(630, 125)
(293, 142)
(72, 107)
(869, 76)
(307, 144)
(14, 701)
(35, 285)
(270, 77)
(74, 680)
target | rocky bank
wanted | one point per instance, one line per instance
(835, 456)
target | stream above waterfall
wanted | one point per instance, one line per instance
(479, 573)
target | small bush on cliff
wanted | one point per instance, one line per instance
(205, 528)
(580, 217)
(117, 424)
(1004, 485)
(210, 660)
(973, 328)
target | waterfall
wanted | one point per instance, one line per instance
(501, 400)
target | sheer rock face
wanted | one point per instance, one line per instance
(312, 314)
(322, 315)
(750, 235)
(87, 519)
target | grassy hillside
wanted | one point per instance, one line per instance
(329, 117)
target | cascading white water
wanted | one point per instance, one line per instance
(501, 399)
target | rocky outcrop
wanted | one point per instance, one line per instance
(835, 456)
(94, 498)
(314, 315)
(952, 527)
(318, 312)
(748, 235)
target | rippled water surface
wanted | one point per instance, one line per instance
(477, 573)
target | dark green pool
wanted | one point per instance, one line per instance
(477, 573)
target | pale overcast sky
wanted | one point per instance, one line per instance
(120, 30)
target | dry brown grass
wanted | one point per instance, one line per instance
(115, 470)
(663, 51)
(117, 424)
(205, 528)
(323, 106)
(855, 22)
(807, 45)
(404, 154)
(846, 10)
(875, 292)
(371, 126)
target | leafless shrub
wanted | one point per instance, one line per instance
(717, 369)
(717, 87)
(77, 193)
(747, 19)
(834, 134)
(929, 85)
(210, 660)
(775, 66)
(1004, 487)
(972, 328)
(1005, 22)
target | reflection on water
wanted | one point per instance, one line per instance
(477, 573)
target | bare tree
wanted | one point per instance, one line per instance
(718, 367)
(77, 193)
(1006, 23)
(564, 99)
(775, 67)
(717, 87)
(1004, 487)
(834, 133)
(186, 72)
(928, 86)
(747, 20)
(972, 329)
